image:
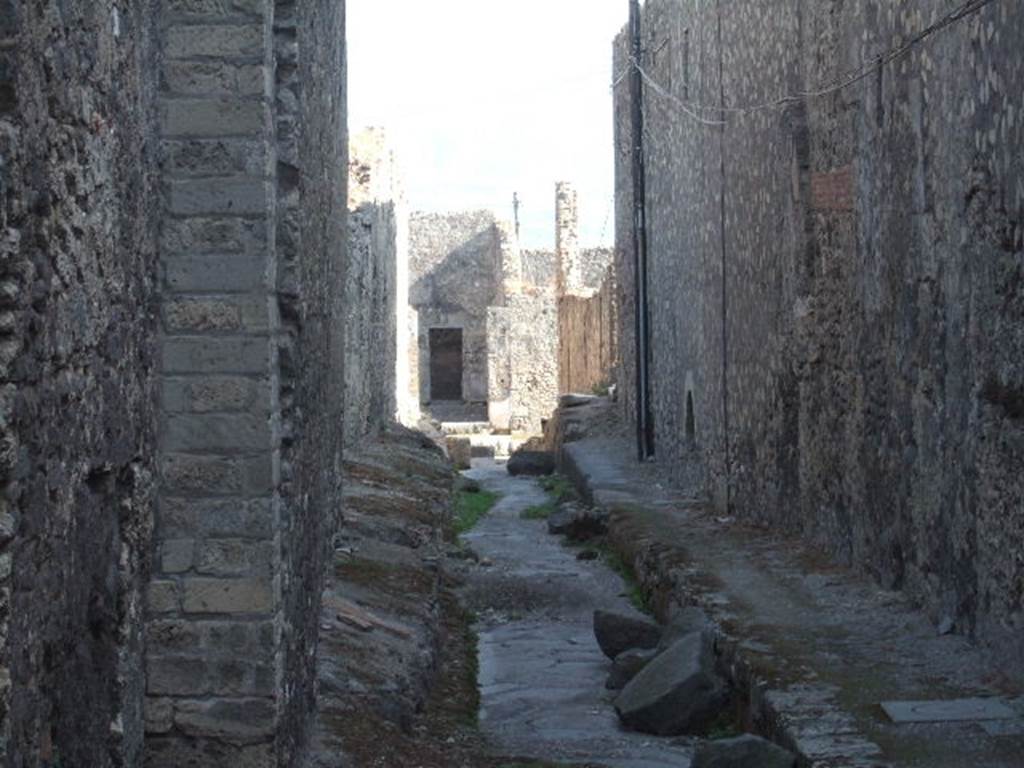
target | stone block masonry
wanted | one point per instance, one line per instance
(837, 314)
(221, 417)
(172, 250)
(254, 158)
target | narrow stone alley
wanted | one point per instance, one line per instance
(597, 383)
(542, 675)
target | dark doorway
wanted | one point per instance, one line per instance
(445, 363)
(691, 426)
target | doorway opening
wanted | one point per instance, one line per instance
(691, 425)
(446, 364)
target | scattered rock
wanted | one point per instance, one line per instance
(577, 522)
(744, 752)
(616, 633)
(588, 554)
(626, 666)
(468, 484)
(689, 620)
(533, 463)
(678, 692)
(575, 401)
(460, 451)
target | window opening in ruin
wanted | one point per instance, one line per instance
(691, 426)
(446, 364)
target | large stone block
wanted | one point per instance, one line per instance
(216, 10)
(233, 273)
(180, 118)
(231, 518)
(200, 314)
(215, 235)
(249, 721)
(254, 641)
(235, 557)
(216, 433)
(215, 394)
(218, 476)
(229, 195)
(228, 596)
(204, 676)
(163, 597)
(677, 692)
(223, 41)
(214, 157)
(175, 752)
(216, 355)
(213, 78)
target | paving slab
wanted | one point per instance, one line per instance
(950, 711)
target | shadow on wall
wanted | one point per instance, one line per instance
(370, 318)
(455, 293)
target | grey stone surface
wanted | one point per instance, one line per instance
(951, 710)
(835, 287)
(578, 522)
(542, 675)
(618, 632)
(79, 213)
(746, 751)
(627, 665)
(842, 644)
(677, 692)
(534, 463)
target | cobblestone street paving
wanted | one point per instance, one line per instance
(541, 672)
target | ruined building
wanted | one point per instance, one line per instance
(503, 326)
(172, 311)
(835, 289)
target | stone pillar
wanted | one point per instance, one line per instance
(214, 606)
(567, 247)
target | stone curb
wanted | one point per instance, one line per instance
(802, 718)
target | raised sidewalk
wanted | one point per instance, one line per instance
(813, 648)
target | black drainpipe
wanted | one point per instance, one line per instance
(644, 423)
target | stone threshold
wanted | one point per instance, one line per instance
(813, 649)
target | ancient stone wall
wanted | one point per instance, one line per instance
(311, 86)
(78, 228)
(523, 362)
(255, 161)
(456, 262)
(836, 295)
(378, 334)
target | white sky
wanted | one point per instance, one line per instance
(483, 98)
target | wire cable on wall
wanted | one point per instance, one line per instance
(697, 111)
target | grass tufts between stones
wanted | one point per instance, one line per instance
(635, 593)
(470, 506)
(559, 488)
(538, 511)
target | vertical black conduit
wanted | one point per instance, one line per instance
(644, 423)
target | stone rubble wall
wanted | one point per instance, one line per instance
(78, 251)
(378, 340)
(523, 362)
(456, 272)
(588, 339)
(836, 286)
(312, 234)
